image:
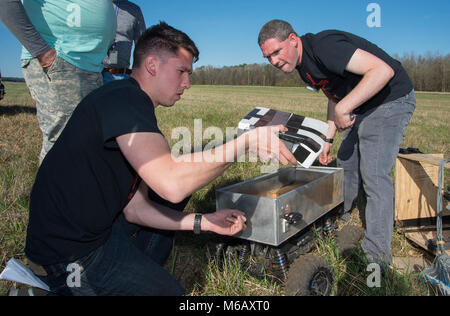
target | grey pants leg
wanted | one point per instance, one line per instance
(367, 154)
(57, 92)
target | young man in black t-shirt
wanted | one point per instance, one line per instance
(111, 175)
(370, 98)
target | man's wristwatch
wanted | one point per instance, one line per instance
(329, 140)
(197, 223)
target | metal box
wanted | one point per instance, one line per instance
(280, 204)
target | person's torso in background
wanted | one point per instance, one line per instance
(130, 26)
(81, 31)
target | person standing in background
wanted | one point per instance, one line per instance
(130, 26)
(64, 43)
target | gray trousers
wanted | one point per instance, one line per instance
(56, 92)
(367, 154)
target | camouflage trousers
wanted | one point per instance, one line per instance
(56, 92)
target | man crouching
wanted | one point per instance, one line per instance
(110, 175)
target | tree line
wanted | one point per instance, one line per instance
(430, 72)
(12, 79)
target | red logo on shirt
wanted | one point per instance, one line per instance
(322, 84)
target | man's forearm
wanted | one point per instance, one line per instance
(175, 178)
(375, 75)
(330, 110)
(150, 214)
(330, 119)
(371, 83)
(261, 141)
(13, 15)
(144, 212)
(331, 129)
(198, 169)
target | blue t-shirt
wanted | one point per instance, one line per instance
(81, 31)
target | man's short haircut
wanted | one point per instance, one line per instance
(278, 29)
(162, 40)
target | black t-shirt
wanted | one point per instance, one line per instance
(84, 182)
(325, 56)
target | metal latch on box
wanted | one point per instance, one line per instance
(289, 219)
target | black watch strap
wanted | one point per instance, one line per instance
(197, 223)
(329, 140)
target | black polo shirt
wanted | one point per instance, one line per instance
(85, 181)
(325, 56)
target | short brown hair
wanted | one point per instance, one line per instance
(162, 38)
(278, 29)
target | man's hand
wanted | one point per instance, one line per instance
(343, 119)
(224, 222)
(325, 156)
(47, 58)
(269, 146)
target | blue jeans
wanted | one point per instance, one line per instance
(367, 154)
(107, 77)
(123, 266)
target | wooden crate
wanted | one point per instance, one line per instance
(416, 184)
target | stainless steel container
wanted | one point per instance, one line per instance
(280, 204)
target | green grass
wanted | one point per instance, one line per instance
(220, 106)
(351, 274)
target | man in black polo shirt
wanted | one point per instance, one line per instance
(88, 197)
(370, 98)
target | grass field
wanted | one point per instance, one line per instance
(220, 106)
